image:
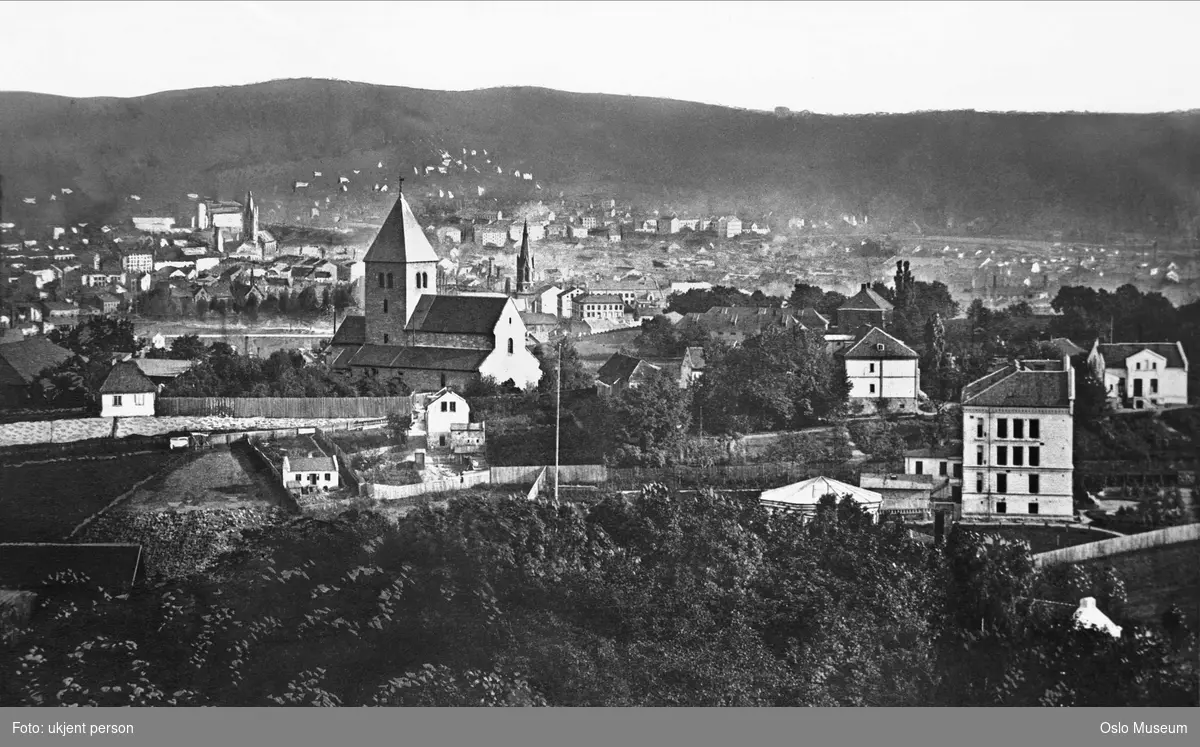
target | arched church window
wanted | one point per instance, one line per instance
(510, 346)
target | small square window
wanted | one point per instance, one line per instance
(1033, 508)
(1002, 507)
(116, 400)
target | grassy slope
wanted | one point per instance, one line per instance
(1014, 170)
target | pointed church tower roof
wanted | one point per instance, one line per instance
(401, 239)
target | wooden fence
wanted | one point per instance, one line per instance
(349, 476)
(329, 408)
(759, 476)
(1118, 545)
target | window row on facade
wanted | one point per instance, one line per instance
(1021, 428)
(1033, 483)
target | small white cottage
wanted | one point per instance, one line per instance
(127, 392)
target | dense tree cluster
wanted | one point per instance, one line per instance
(699, 300)
(222, 373)
(777, 380)
(662, 599)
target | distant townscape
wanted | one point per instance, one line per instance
(585, 452)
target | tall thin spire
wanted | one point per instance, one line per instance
(524, 263)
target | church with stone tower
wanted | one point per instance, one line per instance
(426, 340)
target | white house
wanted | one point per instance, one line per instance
(1088, 615)
(880, 368)
(1018, 437)
(127, 392)
(310, 472)
(1142, 375)
(804, 497)
(443, 410)
(941, 462)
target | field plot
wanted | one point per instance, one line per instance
(218, 479)
(44, 502)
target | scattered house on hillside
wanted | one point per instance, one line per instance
(491, 235)
(578, 231)
(440, 411)
(540, 327)
(865, 308)
(621, 372)
(306, 474)
(729, 227)
(883, 372)
(20, 364)
(104, 303)
(556, 231)
(593, 307)
(804, 497)
(566, 302)
(545, 300)
(692, 367)
(1141, 375)
(60, 313)
(1018, 438)
(450, 234)
(909, 497)
(945, 462)
(127, 392)
(668, 224)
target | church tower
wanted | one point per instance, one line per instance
(250, 220)
(525, 263)
(400, 267)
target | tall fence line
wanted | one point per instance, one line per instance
(1118, 545)
(329, 408)
(345, 467)
(760, 476)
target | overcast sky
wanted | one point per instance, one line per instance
(846, 57)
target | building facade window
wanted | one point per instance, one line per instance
(1002, 483)
(920, 467)
(958, 471)
(872, 389)
(443, 380)
(381, 279)
(1002, 428)
(979, 482)
(385, 306)
(942, 469)
(979, 428)
(979, 455)
(1154, 386)
(510, 346)
(445, 407)
(1002, 455)
(389, 280)
(1033, 508)
(116, 400)
(385, 338)
(1035, 428)
(1035, 456)
(327, 477)
(1002, 507)
(1018, 428)
(453, 407)
(1035, 484)
(1018, 455)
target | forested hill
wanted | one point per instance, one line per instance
(1003, 172)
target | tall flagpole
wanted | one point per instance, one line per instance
(557, 417)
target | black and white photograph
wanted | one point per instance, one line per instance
(599, 355)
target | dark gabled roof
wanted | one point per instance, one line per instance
(598, 299)
(1115, 354)
(464, 315)
(352, 331)
(1019, 385)
(312, 464)
(420, 358)
(400, 238)
(1066, 347)
(113, 567)
(21, 362)
(619, 368)
(866, 299)
(812, 319)
(867, 347)
(534, 319)
(126, 378)
(342, 356)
